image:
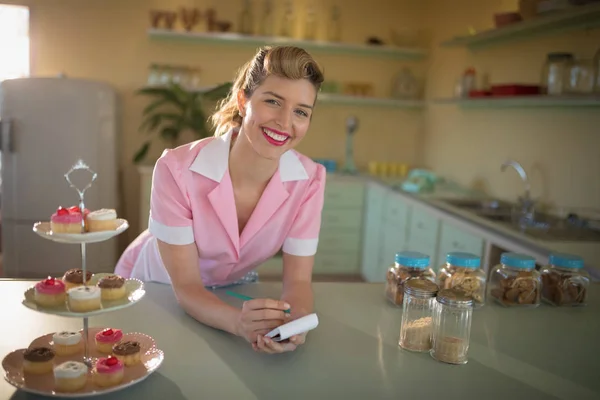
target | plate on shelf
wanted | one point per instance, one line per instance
(151, 359)
(43, 229)
(134, 288)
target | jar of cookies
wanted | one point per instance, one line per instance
(417, 308)
(408, 265)
(564, 281)
(515, 282)
(462, 272)
(452, 312)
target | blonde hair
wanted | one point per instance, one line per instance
(283, 61)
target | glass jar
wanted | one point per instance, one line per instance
(554, 73)
(408, 265)
(462, 272)
(564, 281)
(452, 312)
(515, 282)
(417, 308)
(580, 76)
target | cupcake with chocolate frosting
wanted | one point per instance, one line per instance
(38, 360)
(112, 287)
(74, 277)
(128, 351)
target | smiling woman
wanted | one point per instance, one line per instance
(223, 205)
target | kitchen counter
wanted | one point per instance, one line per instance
(543, 353)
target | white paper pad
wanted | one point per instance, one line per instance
(295, 327)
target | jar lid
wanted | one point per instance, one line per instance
(420, 287)
(460, 259)
(517, 260)
(563, 260)
(412, 259)
(454, 297)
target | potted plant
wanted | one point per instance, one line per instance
(175, 110)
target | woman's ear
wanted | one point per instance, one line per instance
(241, 102)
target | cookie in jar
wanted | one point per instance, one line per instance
(515, 281)
(462, 272)
(564, 281)
(407, 265)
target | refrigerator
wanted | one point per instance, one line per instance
(46, 125)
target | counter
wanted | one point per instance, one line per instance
(543, 353)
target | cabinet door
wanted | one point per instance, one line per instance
(424, 226)
(456, 239)
(373, 215)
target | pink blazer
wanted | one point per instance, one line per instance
(192, 202)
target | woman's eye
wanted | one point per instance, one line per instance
(302, 113)
(271, 101)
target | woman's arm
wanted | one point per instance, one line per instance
(181, 263)
(297, 284)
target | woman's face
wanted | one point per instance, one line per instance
(277, 115)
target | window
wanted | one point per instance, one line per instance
(14, 42)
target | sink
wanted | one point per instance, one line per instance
(542, 226)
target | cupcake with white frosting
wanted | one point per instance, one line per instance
(67, 343)
(70, 376)
(104, 219)
(84, 298)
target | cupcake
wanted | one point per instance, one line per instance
(112, 287)
(74, 277)
(70, 376)
(67, 343)
(104, 219)
(68, 220)
(38, 360)
(128, 352)
(109, 371)
(84, 298)
(107, 338)
(50, 293)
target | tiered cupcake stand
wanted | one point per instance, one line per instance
(151, 356)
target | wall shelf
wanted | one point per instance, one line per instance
(333, 99)
(577, 18)
(525, 101)
(325, 47)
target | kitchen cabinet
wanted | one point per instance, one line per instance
(453, 238)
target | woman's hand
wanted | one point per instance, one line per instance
(260, 316)
(267, 345)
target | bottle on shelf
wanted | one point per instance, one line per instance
(267, 21)
(334, 28)
(289, 21)
(310, 24)
(246, 19)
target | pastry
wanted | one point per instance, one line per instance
(112, 287)
(38, 360)
(68, 220)
(74, 277)
(107, 338)
(70, 376)
(84, 298)
(50, 293)
(109, 371)
(129, 352)
(104, 219)
(67, 343)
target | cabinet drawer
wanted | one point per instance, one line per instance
(395, 210)
(343, 218)
(339, 241)
(337, 263)
(455, 239)
(423, 226)
(344, 195)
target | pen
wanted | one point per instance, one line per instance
(246, 298)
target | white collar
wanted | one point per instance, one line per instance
(213, 159)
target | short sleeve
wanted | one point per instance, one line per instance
(170, 212)
(303, 237)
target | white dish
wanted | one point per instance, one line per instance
(43, 229)
(134, 288)
(151, 359)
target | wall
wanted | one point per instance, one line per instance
(558, 146)
(106, 40)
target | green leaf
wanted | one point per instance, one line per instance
(165, 93)
(153, 106)
(218, 92)
(169, 133)
(141, 153)
(151, 123)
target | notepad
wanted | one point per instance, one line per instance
(296, 327)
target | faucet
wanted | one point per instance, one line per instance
(526, 202)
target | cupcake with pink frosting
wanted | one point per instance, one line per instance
(50, 293)
(109, 371)
(68, 220)
(107, 338)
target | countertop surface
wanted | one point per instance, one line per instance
(542, 353)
